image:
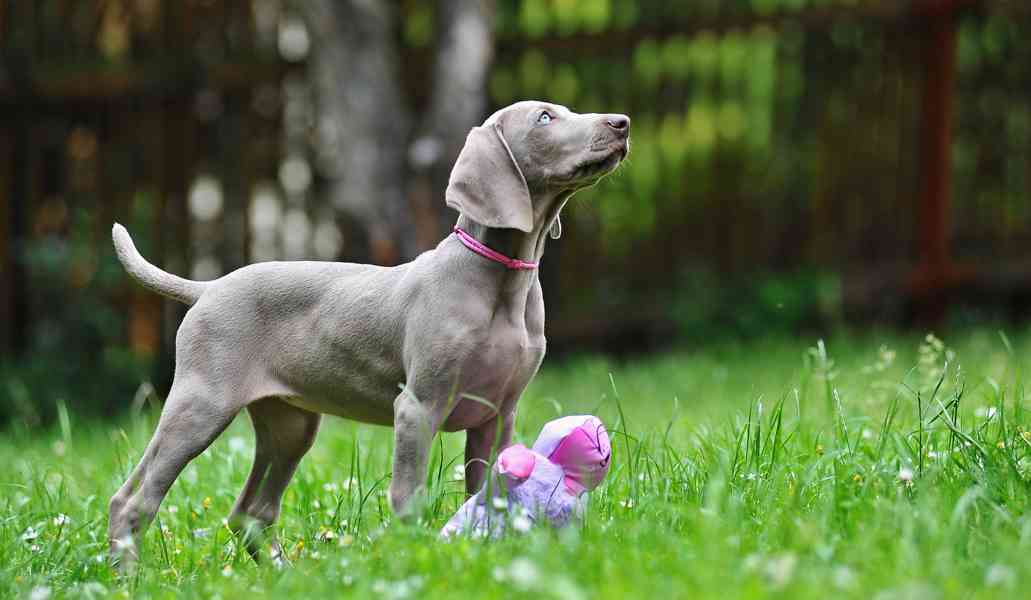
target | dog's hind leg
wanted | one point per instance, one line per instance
(189, 423)
(482, 445)
(283, 434)
(249, 528)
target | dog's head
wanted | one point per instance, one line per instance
(530, 154)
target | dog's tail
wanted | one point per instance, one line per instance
(151, 277)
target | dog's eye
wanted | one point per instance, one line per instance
(544, 118)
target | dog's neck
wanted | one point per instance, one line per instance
(511, 243)
(518, 244)
(512, 286)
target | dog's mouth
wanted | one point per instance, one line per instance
(603, 161)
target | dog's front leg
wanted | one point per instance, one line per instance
(415, 424)
(481, 444)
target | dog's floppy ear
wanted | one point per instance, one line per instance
(487, 185)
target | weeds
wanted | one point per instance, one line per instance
(754, 471)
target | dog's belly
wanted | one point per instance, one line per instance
(364, 392)
(371, 413)
(340, 358)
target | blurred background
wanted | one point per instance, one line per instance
(797, 165)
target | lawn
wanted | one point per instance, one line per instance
(872, 466)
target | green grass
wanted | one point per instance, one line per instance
(766, 469)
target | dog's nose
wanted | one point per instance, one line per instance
(619, 123)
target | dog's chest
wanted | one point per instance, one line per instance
(494, 375)
(495, 365)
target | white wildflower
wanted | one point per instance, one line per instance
(402, 588)
(91, 590)
(522, 523)
(499, 503)
(844, 578)
(999, 575)
(780, 569)
(751, 562)
(906, 475)
(41, 592)
(566, 588)
(985, 412)
(30, 534)
(523, 572)
(237, 445)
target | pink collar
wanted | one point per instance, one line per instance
(478, 247)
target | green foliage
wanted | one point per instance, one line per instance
(418, 24)
(754, 305)
(758, 470)
(819, 109)
(993, 141)
(77, 353)
(730, 108)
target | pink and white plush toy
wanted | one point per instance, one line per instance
(547, 482)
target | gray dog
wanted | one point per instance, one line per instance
(446, 342)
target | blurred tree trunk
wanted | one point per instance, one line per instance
(361, 123)
(364, 127)
(463, 55)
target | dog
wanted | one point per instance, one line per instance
(447, 342)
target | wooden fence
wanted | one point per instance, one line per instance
(882, 140)
(117, 111)
(886, 140)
